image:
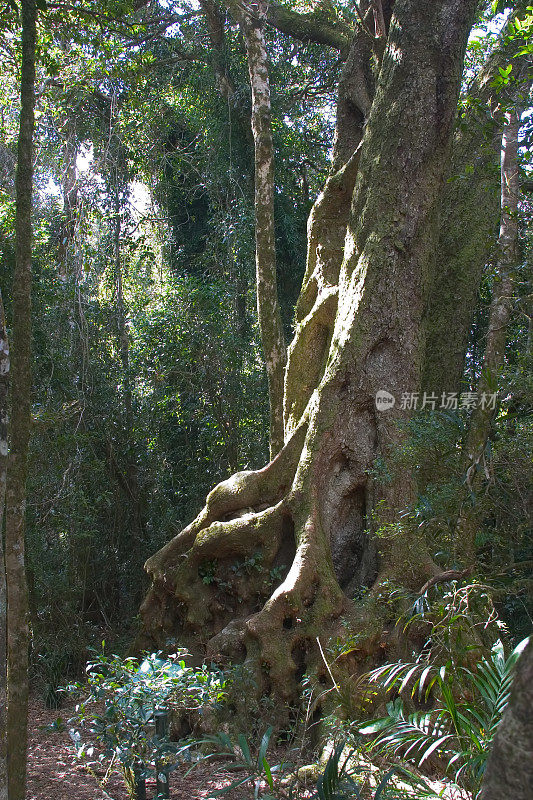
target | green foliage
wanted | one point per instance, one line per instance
(119, 702)
(432, 449)
(339, 778)
(124, 454)
(336, 783)
(343, 780)
(258, 770)
(198, 413)
(467, 705)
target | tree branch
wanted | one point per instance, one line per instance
(445, 577)
(309, 28)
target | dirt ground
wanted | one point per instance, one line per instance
(55, 774)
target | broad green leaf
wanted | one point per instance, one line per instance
(268, 774)
(243, 744)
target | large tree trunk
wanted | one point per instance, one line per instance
(500, 315)
(503, 291)
(18, 632)
(326, 230)
(314, 511)
(469, 219)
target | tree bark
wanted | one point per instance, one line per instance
(314, 509)
(509, 771)
(4, 391)
(215, 27)
(500, 314)
(220, 61)
(309, 28)
(17, 592)
(326, 233)
(470, 212)
(251, 20)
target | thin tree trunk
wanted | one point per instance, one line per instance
(131, 473)
(251, 20)
(70, 199)
(4, 389)
(500, 314)
(215, 28)
(123, 340)
(17, 592)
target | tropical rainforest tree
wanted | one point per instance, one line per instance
(320, 511)
(149, 381)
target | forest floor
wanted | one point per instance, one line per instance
(54, 773)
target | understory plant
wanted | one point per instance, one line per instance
(344, 776)
(467, 704)
(114, 723)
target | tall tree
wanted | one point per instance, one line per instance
(252, 20)
(360, 326)
(17, 592)
(500, 314)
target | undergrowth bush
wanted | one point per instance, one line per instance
(113, 727)
(114, 723)
(445, 706)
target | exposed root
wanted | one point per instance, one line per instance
(219, 595)
(245, 517)
(227, 573)
(244, 490)
(236, 539)
(283, 633)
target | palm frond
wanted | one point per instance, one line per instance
(457, 729)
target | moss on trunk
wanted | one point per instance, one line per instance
(314, 509)
(470, 213)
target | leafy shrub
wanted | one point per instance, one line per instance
(120, 700)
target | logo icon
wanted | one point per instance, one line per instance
(384, 400)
